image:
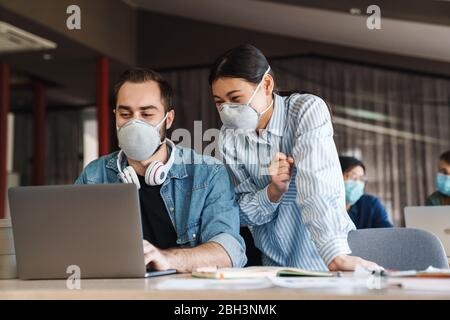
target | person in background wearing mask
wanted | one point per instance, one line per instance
(190, 218)
(294, 205)
(442, 196)
(365, 210)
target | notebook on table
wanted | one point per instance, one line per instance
(256, 272)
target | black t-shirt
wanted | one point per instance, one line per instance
(156, 224)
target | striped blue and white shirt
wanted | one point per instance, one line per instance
(308, 227)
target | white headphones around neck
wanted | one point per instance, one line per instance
(155, 174)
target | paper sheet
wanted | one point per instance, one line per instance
(214, 284)
(326, 283)
(421, 284)
(262, 283)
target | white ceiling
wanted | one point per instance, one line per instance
(396, 36)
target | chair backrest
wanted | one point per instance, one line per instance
(398, 248)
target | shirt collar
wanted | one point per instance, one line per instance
(178, 169)
(112, 162)
(277, 121)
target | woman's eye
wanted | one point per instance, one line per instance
(147, 114)
(235, 99)
(125, 115)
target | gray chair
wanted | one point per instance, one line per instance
(398, 248)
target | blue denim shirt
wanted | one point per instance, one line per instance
(198, 196)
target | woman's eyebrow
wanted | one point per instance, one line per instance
(232, 92)
(228, 94)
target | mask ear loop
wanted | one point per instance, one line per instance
(254, 93)
(261, 113)
(158, 127)
(163, 119)
(259, 85)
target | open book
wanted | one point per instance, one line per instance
(256, 272)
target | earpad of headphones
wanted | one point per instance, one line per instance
(131, 176)
(156, 173)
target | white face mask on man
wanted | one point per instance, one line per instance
(138, 139)
(242, 115)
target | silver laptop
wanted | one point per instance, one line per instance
(435, 219)
(96, 228)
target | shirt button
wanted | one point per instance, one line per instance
(171, 209)
(194, 236)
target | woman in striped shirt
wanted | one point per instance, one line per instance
(284, 165)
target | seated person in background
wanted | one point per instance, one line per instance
(189, 215)
(442, 196)
(365, 210)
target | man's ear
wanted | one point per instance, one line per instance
(170, 118)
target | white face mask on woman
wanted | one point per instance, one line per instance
(242, 115)
(138, 139)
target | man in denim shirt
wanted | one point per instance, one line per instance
(189, 215)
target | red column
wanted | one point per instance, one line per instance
(4, 108)
(39, 134)
(103, 105)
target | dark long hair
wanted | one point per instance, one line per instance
(244, 61)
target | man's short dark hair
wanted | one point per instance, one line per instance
(445, 157)
(140, 75)
(348, 163)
